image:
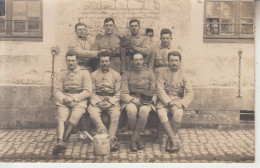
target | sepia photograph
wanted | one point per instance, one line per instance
(127, 81)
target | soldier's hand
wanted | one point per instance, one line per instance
(101, 105)
(108, 105)
(72, 104)
(136, 101)
(99, 36)
(65, 100)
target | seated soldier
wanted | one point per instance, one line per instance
(105, 98)
(72, 88)
(175, 93)
(134, 82)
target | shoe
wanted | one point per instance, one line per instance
(58, 149)
(168, 145)
(176, 147)
(133, 146)
(114, 145)
(140, 144)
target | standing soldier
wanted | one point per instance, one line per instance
(72, 88)
(81, 46)
(175, 93)
(137, 95)
(105, 98)
(110, 42)
(160, 53)
(135, 43)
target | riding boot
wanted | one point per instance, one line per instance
(68, 132)
(168, 129)
(133, 143)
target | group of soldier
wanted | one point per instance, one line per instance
(121, 73)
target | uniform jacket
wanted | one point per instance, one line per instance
(105, 82)
(173, 86)
(133, 81)
(78, 81)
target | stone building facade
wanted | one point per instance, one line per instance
(212, 67)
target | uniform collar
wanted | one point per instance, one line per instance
(76, 70)
(137, 36)
(104, 71)
(109, 35)
(136, 71)
(167, 47)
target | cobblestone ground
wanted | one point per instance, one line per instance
(198, 146)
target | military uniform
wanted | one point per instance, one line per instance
(82, 48)
(106, 88)
(172, 86)
(142, 44)
(110, 42)
(77, 84)
(133, 82)
(160, 56)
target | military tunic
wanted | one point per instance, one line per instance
(110, 42)
(142, 45)
(133, 82)
(82, 48)
(106, 88)
(76, 84)
(173, 86)
(160, 55)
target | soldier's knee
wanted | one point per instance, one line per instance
(162, 114)
(131, 110)
(177, 116)
(93, 111)
(144, 111)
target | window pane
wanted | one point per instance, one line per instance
(33, 25)
(246, 29)
(19, 26)
(2, 26)
(34, 8)
(2, 7)
(227, 9)
(247, 9)
(226, 29)
(19, 9)
(212, 9)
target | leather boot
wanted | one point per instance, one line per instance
(140, 143)
(168, 129)
(133, 144)
(68, 132)
(168, 145)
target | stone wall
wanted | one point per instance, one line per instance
(212, 67)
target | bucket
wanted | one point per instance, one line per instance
(101, 144)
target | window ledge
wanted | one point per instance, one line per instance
(227, 40)
(26, 39)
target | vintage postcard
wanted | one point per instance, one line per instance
(127, 81)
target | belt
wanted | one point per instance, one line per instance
(137, 94)
(105, 94)
(178, 94)
(161, 65)
(72, 91)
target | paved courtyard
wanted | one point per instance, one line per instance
(198, 146)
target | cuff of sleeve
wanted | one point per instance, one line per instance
(75, 98)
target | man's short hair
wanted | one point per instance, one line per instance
(70, 54)
(174, 53)
(134, 20)
(80, 24)
(104, 54)
(136, 53)
(147, 30)
(166, 31)
(109, 19)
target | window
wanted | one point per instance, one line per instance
(229, 21)
(20, 20)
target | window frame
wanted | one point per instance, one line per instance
(237, 37)
(10, 35)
